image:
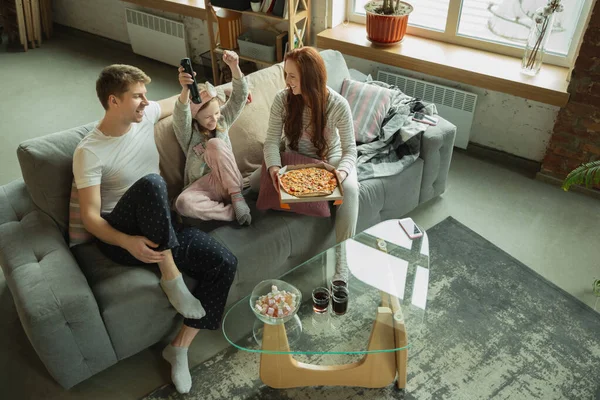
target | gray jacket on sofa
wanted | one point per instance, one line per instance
(82, 313)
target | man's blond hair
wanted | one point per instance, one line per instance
(115, 79)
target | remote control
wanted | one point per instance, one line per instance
(186, 63)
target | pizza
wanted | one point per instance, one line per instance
(309, 182)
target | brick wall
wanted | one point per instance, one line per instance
(576, 135)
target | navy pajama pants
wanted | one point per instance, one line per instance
(144, 210)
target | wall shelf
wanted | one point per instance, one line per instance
(296, 35)
(219, 50)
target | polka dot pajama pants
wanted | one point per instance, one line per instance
(144, 210)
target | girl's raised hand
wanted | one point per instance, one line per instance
(230, 58)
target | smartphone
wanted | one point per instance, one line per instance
(426, 119)
(186, 63)
(411, 229)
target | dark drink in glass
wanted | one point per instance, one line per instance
(339, 301)
(320, 297)
(338, 283)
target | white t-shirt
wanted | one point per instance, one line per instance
(116, 163)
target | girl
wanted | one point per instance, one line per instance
(316, 122)
(212, 181)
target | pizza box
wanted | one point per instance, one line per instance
(285, 198)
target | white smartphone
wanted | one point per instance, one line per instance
(411, 229)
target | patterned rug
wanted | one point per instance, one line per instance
(495, 329)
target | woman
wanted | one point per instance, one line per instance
(316, 122)
(212, 180)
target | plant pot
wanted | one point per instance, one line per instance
(386, 29)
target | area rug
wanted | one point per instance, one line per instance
(495, 330)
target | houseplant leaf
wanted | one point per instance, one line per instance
(588, 174)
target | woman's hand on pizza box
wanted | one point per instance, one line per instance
(343, 175)
(273, 171)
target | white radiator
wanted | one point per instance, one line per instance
(156, 37)
(454, 105)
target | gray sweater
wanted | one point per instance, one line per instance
(193, 142)
(339, 133)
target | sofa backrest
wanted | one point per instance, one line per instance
(337, 70)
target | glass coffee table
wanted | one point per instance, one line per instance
(387, 277)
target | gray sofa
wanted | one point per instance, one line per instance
(83, 313)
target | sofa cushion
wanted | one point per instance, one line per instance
(359, 76)
(268, 198)
(77, 232)
(371, 197)
(336, 67)
(248, 132)
(172, 159)
(369, 105)
(401, 194)
(134, 308)
(47, 167)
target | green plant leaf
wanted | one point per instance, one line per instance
(588, 174)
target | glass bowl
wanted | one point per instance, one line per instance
(264, 288)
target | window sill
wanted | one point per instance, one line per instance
(189, 8)
(449, 61)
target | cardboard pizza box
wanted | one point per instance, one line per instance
(285, 198)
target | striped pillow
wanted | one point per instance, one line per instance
(369, 105)
(77, 232)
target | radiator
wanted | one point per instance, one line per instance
(454, 105)
(156, 37)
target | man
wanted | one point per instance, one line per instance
(124, 204)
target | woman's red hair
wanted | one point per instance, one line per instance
(313, 84)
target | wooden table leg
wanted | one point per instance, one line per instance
(373, 370)
(401, 339)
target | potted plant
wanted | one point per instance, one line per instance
(387, 20)
(588, 173)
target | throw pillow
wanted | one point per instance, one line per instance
(268, 198)
(336, 67)
(172, 159)
(77, 232)
(248, 132)
(369, 105)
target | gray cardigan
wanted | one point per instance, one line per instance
(193, 142)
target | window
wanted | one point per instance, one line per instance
(500, 26)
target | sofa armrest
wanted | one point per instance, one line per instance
(436, 150)
(55, 304)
